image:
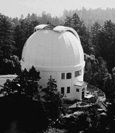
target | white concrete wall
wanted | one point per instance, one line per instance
(45, 75)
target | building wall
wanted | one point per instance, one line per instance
(56, 74)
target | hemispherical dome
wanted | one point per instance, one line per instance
(57, 47)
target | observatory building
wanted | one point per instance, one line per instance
(57, 52)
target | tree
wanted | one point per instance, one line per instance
(104, 41)
(7, 47)
(10, 65)
(53, 100)
(95, 29)
(25, 83)
(67, 21)
(26, 110)
(96, 71)
(6, 37)
(22, 31)
(81, 29)
(91, 67)
(90, 16)
(19, 38)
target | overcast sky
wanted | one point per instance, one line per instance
(15, 8)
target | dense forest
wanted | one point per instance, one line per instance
(90, 16)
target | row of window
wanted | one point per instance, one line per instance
(68, 90)
(63, 90)
(69, 75)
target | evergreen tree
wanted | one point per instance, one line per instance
(22, 31)
(95, 29)
(19, 39)
(53, 100)
(104, 42)
(107, 44)
(6, 37)
(81, 29)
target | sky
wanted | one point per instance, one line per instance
(14, 8)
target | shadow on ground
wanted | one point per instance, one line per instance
(21, 114)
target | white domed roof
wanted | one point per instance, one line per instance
(52, 48)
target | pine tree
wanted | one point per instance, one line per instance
(6, 37)
(53, 100)
(107, 44)
(103, 39)
(95, 30)
(78, 25)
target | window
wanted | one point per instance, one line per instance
(62, 75)
(68, 89)
(78, 73)
(68, 76)
(62, 90)
(77, 90)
